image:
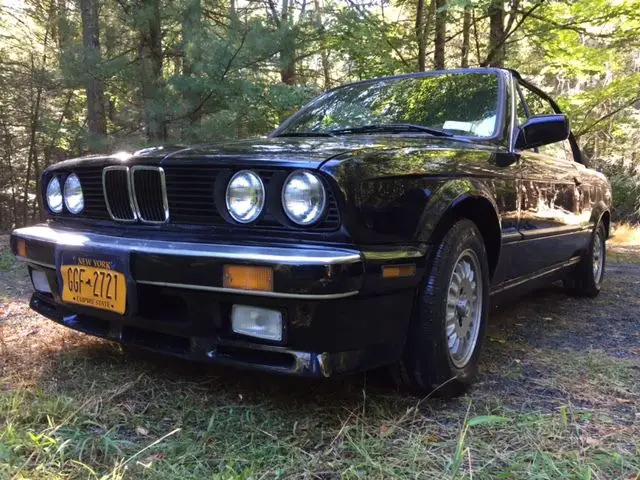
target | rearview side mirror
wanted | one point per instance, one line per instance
(542, 130)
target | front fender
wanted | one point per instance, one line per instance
(599, 209)
(447, 198)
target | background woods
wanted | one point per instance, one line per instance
(82, 76)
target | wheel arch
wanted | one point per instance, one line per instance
(449, 204)
(602, 214)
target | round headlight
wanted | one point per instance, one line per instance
(54, 195)
(245, 196)
(73, 198)
(303, 197)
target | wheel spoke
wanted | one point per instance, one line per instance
(463, 308)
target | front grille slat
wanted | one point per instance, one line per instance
(174, 194)
(150, 193)
(116, 193)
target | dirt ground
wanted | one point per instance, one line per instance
(558, 396)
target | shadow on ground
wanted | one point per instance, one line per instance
(561, 372)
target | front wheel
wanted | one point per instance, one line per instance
(447, 328)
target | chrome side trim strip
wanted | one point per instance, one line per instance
(129, 192)
(542, 273)
(247, 253)
(163, 188)
(299, 296)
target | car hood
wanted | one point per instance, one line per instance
(312, 152)
(307, 152)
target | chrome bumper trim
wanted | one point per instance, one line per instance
(299, 296)
(311, 256)
(251, 253)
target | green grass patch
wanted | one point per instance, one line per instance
(7, 260)
(97, 413)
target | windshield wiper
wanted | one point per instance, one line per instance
(304, 134)
(393, 128)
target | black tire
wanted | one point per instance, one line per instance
(427, 364)
(584, 281)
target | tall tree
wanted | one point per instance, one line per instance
(466, 33)
(96, 118)
(440, 34)
(191, 53)
(283, 19)
(420, 36)
(150, 58)
(496, 55)
(324, 53)
(191, 24)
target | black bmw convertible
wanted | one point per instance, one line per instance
(374, 227)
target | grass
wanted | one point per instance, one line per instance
(558, 398)
(7, 260)
(162, 421)
(625, 234)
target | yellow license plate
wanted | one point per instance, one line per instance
(94, 287)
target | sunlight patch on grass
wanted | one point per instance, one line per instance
(625, 234)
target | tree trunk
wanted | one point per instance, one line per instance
(287, 46)
(96, 118)
(420, 35)
(466, 31)
(8, 155)
(191, 22)
(440, 35)
(150, 57)
(287, 55)
(191, 53)
(35, 206)
(324, 54)
(495, 57)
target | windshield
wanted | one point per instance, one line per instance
(459, 104)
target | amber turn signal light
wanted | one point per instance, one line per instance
(396, 271)
(21, 248)
(245, 277)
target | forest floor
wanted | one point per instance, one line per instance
(559, 396)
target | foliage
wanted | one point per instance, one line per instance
(185, 71)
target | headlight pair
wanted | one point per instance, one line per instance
(303, 197)
(71, 195)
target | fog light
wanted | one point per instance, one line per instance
(40, 282)
(257, 322)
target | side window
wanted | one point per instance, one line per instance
(540, 106)
(521, 112)
(569, 150)
(537, 105)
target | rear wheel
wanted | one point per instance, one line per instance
(586, 279)
(449, 320)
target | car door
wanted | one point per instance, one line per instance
(549, 197)
(587, 190)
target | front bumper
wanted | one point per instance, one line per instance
(340, 314)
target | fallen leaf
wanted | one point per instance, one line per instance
(590, 441)
(385, 429)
